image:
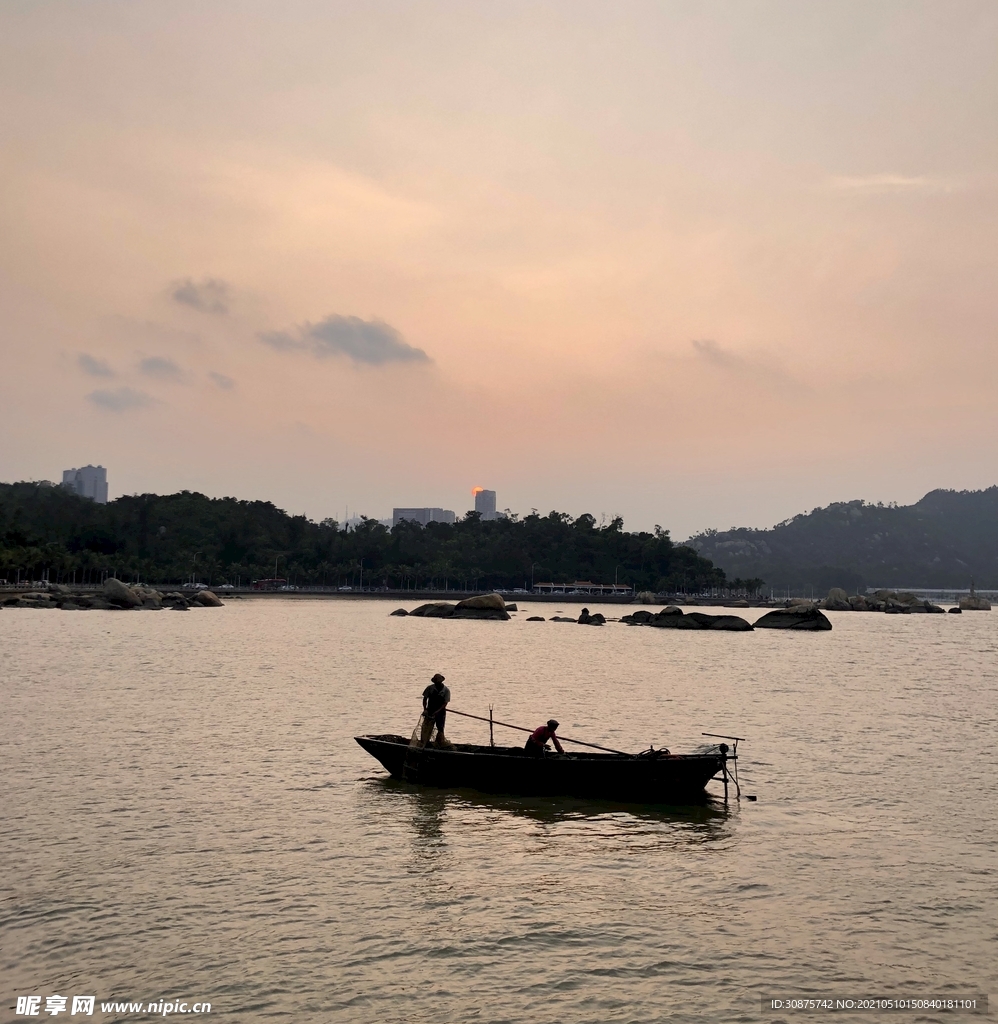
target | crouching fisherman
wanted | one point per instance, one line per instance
(535, 742)
(436, 697)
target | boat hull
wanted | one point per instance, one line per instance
(662, 779)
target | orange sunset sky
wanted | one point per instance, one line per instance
(696, 264)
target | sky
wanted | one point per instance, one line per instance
(695, 264)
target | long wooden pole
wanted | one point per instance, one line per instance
(521, 728)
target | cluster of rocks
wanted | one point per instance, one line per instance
(890, 601)
(115, 596)
(796, 617)
(674, 618)
(483, 606)
(586, 618)
(491, 606)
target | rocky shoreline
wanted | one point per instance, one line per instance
(895, 602)
(114, 596)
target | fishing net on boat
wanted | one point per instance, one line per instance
(425, 732)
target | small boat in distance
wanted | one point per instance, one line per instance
(651, 777)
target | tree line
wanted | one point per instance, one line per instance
(49, 532)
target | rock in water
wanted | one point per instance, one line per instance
(673, 618)
(512, 608)
(434, 610)
(837, 600)
(483, 606)
(207, 599)
(731, 624)
(955, 611)
(796, 617)
(973, 603)
(639, 618)
(116, 593)
(399, 611)
(487, 602)
(536, 618)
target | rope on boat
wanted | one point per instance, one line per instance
(520, 728)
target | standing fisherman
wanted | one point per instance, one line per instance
(436, 697)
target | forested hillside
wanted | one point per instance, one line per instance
(169, 538)
(941, 541)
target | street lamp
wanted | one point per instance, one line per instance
(194, 567)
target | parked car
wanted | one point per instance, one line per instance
(226, 586)
(346, 588)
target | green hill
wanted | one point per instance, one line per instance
(169, 538)
(941, 541)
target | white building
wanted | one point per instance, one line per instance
(485, 504)
(89, 482)
(422, 515)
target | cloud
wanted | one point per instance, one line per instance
(899, 183)
(281, 340)
(763, 371)
(94, 367)
(120, 400)
(160, 368)
(220, 380)
(207, 296)
(709, 350)
(364, 341)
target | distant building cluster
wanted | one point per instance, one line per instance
(88, 482)
(422, 515)
(485, 506)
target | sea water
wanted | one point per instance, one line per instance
(187, 818)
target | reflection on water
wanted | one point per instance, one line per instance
(699, 822)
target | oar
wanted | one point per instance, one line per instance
(564, 739)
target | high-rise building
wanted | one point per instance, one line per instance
(89, 481)
(422, 515)
(485, 503)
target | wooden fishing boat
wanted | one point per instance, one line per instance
(651, 777)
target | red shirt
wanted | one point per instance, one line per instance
(542, 735)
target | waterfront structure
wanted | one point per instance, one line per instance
(582, 587)
(422, 515)
(485, 503)
(88, 481)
